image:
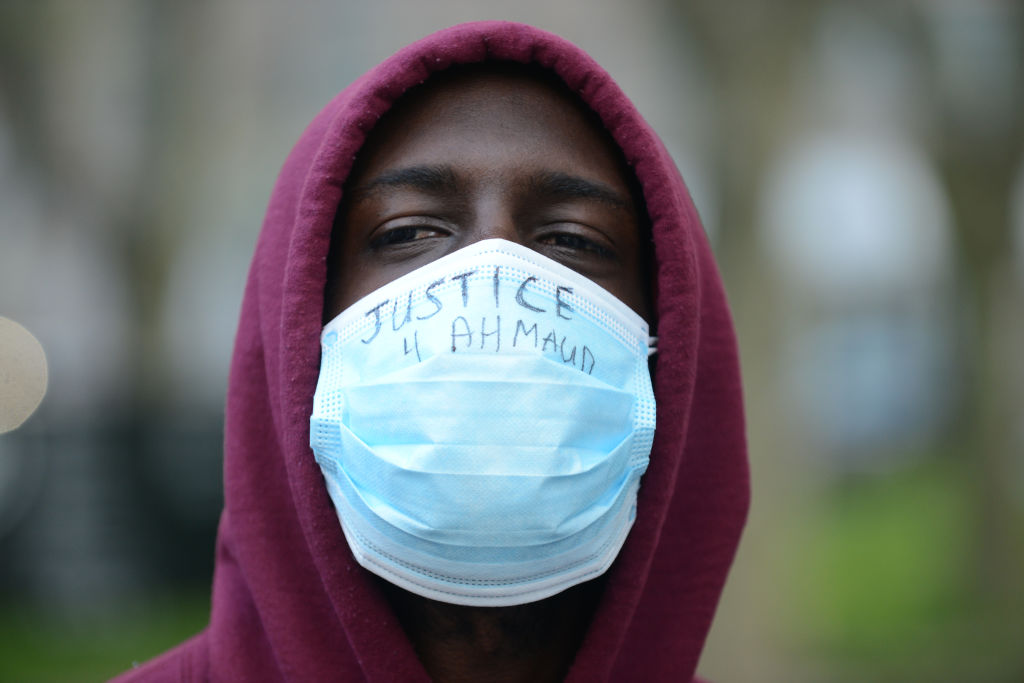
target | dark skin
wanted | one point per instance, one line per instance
(491, 152)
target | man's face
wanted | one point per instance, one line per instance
(482, 156)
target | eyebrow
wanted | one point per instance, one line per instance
(442, 180)
(566, 187)
(436, 180)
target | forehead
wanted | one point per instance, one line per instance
(487, 114)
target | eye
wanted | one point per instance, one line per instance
(404, 234)
(573, 242)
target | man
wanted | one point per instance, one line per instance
(473, 221)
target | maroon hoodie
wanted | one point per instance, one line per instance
(289, 601)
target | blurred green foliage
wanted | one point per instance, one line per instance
(888, 585)
(37, 649)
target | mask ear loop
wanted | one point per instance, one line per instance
(652, 346)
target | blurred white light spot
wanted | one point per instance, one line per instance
(23, 374)
(851, 215)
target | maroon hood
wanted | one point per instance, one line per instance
(289, 600)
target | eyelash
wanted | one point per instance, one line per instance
(566, 241)
(574, 242)
(402, 235)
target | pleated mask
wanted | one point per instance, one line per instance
(482, 424)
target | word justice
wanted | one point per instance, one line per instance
(519, 326)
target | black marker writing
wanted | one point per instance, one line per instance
(433, 299)
(561, 305)
(396, 326)
(526, 332)
(519, 295)
(465, 286)
(583, 360)
(552, 339)
(572, 356)
(415, 345)
(496, 283)
(467, 333)
(484, 334)
(376, 312)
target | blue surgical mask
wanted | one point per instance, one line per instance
(482, 424)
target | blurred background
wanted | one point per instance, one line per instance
(859, 166)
